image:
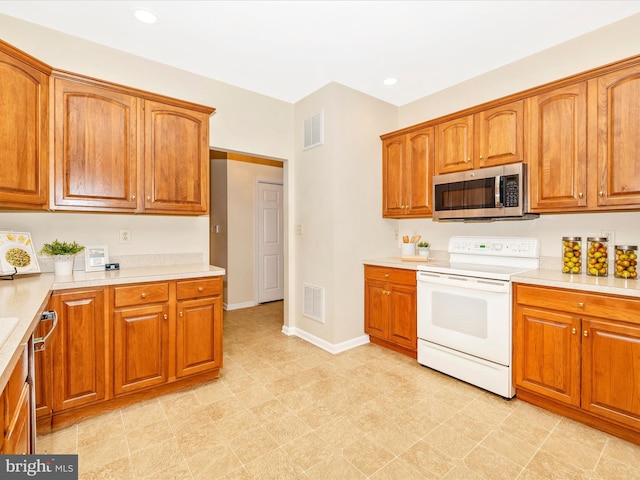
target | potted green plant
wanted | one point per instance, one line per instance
(63, 254)
(423, 249)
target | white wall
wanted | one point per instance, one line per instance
(242, 178)
(338, 201)
(243, 121)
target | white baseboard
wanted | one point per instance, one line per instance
(323, 344)
(238, 306)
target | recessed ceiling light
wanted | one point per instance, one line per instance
(390, 81)
(145, 16)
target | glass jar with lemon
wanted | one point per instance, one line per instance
(571, 254)
(626, 262)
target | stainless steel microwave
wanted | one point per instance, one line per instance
(485, 194)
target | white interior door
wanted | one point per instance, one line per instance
(270, 242)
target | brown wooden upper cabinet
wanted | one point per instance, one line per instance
(557, 123)
(618, 147)
(486, 139)
(118, 151)
(24, 129)
(407, 170)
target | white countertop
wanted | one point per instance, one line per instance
(26, 297)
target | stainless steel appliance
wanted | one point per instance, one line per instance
(484, 194)
(464, 309)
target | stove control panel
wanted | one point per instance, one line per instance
(525, 247)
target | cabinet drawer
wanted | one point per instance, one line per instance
(141, 294)
(394, 275)
(580, 303)
(200, 287)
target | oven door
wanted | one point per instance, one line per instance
(466, 314)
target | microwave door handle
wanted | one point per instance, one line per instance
(498, 189)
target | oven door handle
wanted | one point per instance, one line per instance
(471, 283)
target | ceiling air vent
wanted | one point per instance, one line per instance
(313, 302)
(313, 131)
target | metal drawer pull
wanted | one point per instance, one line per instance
(573, 331)
(165, 316)
(585, 333)
(181, 314)
(143, 295)
(201, 289)
(386, 275)
(581, 305)
(39, 342)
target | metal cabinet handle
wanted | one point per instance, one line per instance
(165, 316)
(143, 295)
(201, 289)
(386, 275)
(580, 195)
(580, 304)
(133, 197)
(601, 193)
(585, 333)
(573, 331)
(39, 343)
(148, 197)
(181, 314)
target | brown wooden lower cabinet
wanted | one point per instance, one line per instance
(576, 353)
(118, 344)
(390, 311)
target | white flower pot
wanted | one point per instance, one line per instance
(63, 264)
(424, 251)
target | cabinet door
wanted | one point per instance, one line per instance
(546, 354)
(499, 133)
(420, 150)
(79, 349)
(199, 336)
(454, 145)
(24, 133)
(141, 346)
(95, 148)
(610, 359)
(618, 132)
(558, 149)
(376, 307)
(17, 439)
(393, 177)
(402, 315)
(176, 154)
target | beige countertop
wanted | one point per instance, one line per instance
(545, 277)
(26, 297)
(397, 262)
(555, 278)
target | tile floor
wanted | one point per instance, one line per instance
(284, 409)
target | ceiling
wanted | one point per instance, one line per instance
(289, 49)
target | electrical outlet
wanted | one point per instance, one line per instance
(125, 236)
(611, 239)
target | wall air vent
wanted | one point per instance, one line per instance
(314, 131)
(313, 302)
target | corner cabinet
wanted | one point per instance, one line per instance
(390, 309)
(118, 149)
(574, 353)
(24, 125)
(407, 171)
